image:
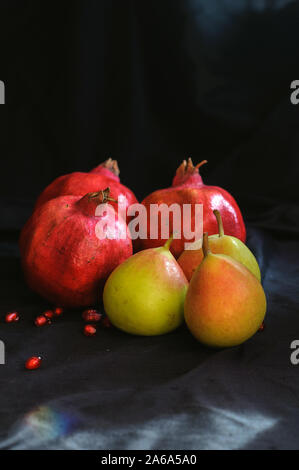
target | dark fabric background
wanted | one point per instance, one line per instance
(150, 83)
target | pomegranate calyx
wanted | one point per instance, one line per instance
(90, 201)
(186, 170)
(109, 164)
(102, 196)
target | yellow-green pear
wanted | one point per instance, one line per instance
(225, 303)
(221, 244)
(145, 294)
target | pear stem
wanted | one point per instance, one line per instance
(219, 222)
(205, 244)
(168, 243)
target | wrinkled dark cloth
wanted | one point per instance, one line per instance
(120, 391)
(150, 83)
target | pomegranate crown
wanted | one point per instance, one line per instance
(187, 171)
(110, 165)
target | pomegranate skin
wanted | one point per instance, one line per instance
(63, 259)
(188, 188)
(80, 183)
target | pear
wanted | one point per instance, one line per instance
(145, 294)
(221, 244)
(225, 303)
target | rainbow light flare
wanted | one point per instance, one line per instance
(49, 423)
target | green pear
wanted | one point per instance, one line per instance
(145, 294)
(220, 244)
(232, 246)
(225, 303)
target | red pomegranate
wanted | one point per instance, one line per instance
(63, 258)
(80, 183)
(188, 188)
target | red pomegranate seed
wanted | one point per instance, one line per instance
(262, 327)
(49, 314)
(105, 323)
(89, 330)
(33, 362)
(91, 315)
(41, 320)
(58, 311)
(12, 317)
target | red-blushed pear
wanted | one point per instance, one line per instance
(145, 294)
(225, 303)
(221, 244)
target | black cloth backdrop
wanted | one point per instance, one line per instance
(150, 83)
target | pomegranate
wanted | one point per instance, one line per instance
(89, 330)
(63, 257)
(33, 363)
(91, 315)
(58, 311)
(12, 317)
(42, 320)
(79, 183)
(188, 188)
(48, 314)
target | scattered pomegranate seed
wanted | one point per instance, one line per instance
(41, 320)
(33, 362)
(91, 315)
(105, 323)
(262, 327)
(58, 311)
(49, 314)
(89, 330)
(12, 317)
